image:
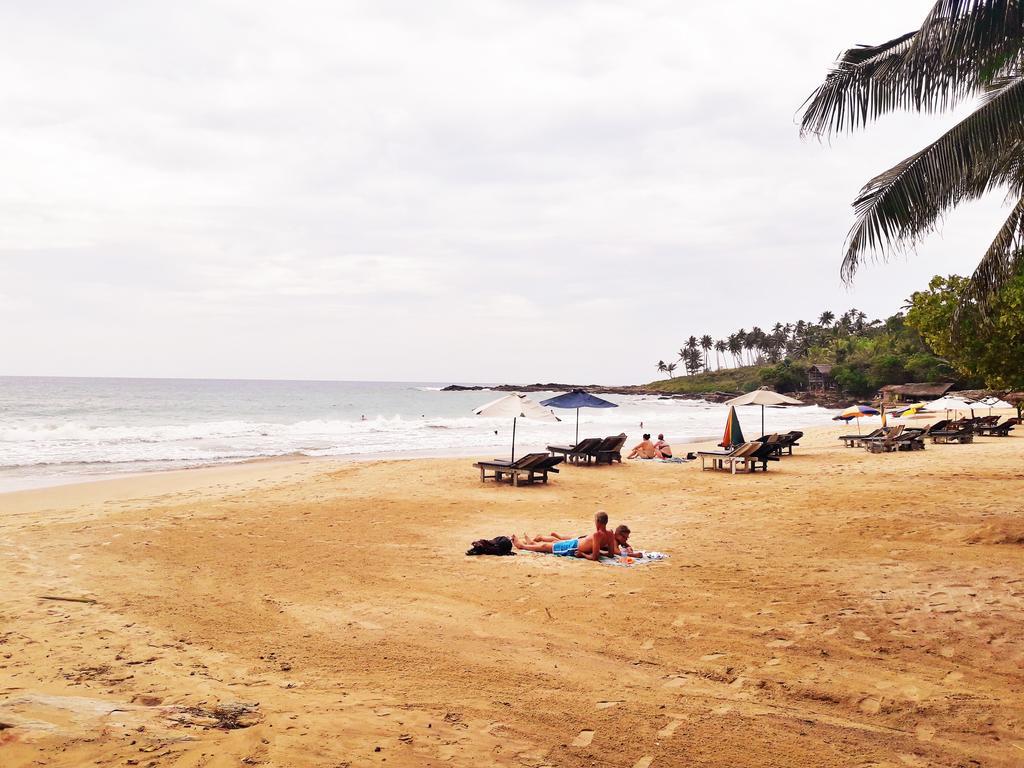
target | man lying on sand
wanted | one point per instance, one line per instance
(588, 546)
(621, 538)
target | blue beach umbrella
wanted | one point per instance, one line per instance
(577, 399)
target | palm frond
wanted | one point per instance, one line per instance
(897, 207)
(857, 87)
(961, 46)
(1001, 261)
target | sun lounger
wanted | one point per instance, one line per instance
(855, 441)
(526, 469)
(998, 430)
(747, 456)
(912, 439)
(582, 451)
(610, 449)
(783, 442)
(884, 442)
(954, 433)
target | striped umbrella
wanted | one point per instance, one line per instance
(733, 434)
(856, 412)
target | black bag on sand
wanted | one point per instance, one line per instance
(502, 545)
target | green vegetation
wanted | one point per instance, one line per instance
(965, 50)
(988, 343)
(864, 355)
(985, 349)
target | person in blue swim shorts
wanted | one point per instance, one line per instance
(589, 546)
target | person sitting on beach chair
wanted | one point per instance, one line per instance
(662, 450)
(590, 546)
(644, 449)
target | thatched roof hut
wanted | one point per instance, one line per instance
(898, 393)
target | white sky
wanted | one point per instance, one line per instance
(446, 191)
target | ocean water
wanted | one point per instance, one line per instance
(55, 430)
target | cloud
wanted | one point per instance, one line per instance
(399, 179)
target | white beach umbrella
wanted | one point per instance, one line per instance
(950, 403)
(763, 397)
(994, 402)
(518, 406)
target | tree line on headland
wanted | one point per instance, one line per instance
(983, 348)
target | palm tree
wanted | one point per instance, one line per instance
(749, 342)
(720, 349)
(671, 369)
(706, 343)
(826, 319)
(735, 344)
(662, 368)
(964, 49)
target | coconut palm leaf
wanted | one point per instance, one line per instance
(1001, 261)
(896, 208)
(961, 46)
(861, 86)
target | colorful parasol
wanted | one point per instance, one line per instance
(856, 412)
(733, 434)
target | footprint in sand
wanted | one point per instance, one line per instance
(669, 729)
(869, 705)
(607, 704)
(925, 732)
(676, 681)
(583, 739)
(830, 632)
(712, 656)
(953, 677)
(679, 622)
(861, 636)
(779, 644)
(773, 662)
(644, 762)
(947, 652)
(648, 644)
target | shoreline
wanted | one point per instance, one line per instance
(41, 483)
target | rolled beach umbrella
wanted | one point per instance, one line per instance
(733, 434)
(763, 397)
(856, 412)
(517, 406)
(578, 399)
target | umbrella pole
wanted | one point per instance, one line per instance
(577, 428)
(762, 420)
(513, 439)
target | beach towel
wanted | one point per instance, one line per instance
(618, 562)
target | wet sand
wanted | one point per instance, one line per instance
(844, 609)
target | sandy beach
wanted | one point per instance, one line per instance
(844, 609)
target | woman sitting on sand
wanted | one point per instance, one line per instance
(644, 449)
(662, 449)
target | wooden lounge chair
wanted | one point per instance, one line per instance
(912, 439)
(885, 442)
(738, 455)
(998, 430)
(954, 433)
(610, 449)
(582, 451)
(783, 442)
(513, 470)
(855, 441)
